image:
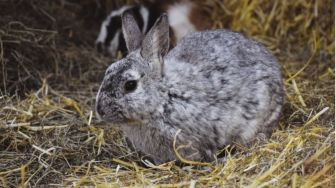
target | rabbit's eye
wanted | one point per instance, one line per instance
(130, 85)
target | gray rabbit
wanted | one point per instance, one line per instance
(215, 88)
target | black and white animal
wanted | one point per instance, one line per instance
(215, 88)
(184, 17)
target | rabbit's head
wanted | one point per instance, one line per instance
(132, 89)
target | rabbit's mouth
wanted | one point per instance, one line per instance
(127, 122)
(124, 122)
(119, 121)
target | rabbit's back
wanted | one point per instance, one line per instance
(217, 45)
(224, 87)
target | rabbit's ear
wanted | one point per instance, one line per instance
(156, 43)
(131, 31)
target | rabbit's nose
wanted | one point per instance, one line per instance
(99, 109)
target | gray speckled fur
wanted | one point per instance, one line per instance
(216, 86)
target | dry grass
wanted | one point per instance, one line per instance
(50, 73)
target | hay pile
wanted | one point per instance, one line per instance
(50, 74)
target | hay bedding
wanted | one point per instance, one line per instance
(50, 74)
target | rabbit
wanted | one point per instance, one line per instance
(184, 16)
(215, 88)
